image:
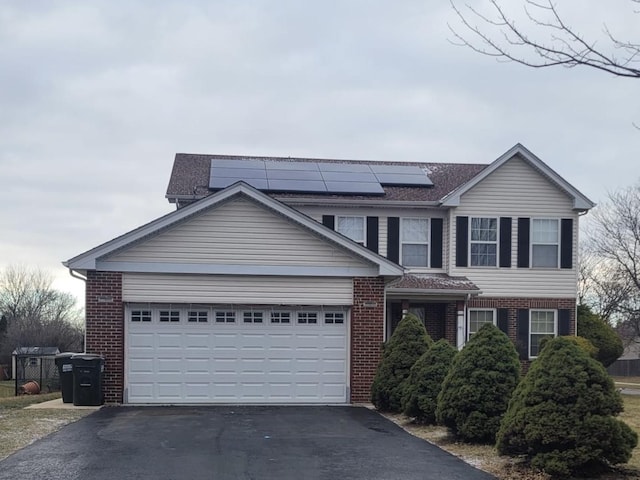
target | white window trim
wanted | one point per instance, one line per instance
(494, 314)
(496, 242)
(555, 325)
(364, 227)
(531, 243)
(427, 243)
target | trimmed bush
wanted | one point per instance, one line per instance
(582, 342)
(408, 342)
(562, 415)
(425, 381)
(476, 391)
(600, 334)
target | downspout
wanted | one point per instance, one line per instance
(75, 274)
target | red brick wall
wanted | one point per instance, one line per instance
(367, 335)
(513, 304)
(105, 329)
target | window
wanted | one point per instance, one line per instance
(352, 227)
(484, 242)
(307, 317)
(170, 316)
(140, 315)
(414, 238)
(544, 243)
(477, 318)
(280, 317)
(334, 317)
(252, 317)
(198, 316)
(542, 324)
(228, 316)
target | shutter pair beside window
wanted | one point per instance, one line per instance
(435, 241)
(329, 221)
(522, 329)
(566, 242)
(462, 242)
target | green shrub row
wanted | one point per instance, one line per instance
(560, 417)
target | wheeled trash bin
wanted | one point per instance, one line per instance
(65, 371)
(87, 379)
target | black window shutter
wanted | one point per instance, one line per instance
(523, 242)
(462, 241)
(393, 239)
(503, 320)
(436, 243)
(505, 242)
(564, 321)
(566, 243)
(372, 234)
(523, 333)
(329, 221)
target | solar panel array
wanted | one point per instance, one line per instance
(314, 177)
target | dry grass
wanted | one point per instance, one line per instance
(19, 427)
(486, 458)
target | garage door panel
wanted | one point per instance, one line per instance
(239, 362)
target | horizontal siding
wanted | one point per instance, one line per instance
(517, 190)
(239, 233)
(513, 282)
(229, 289)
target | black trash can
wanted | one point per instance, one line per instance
(65, 370)
(87, 379)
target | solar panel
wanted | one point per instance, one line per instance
(365, 188)
(314, 177)
(298, 186)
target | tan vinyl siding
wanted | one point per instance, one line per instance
(517, 190)
(238, 233)
(230, 289)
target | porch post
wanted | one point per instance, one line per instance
(460, 340)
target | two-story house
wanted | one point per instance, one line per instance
(276, 280)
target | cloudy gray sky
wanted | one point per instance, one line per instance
(96, 98)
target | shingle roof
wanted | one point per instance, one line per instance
(190, 178)
(432, 282)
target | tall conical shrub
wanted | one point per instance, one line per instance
(420, 397)
(562, 415)
(408, 342)
(476, 391)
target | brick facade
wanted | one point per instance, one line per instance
(105, 329)
(367, 335)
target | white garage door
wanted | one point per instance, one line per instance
(218, 354)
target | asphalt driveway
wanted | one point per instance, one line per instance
(226, 442)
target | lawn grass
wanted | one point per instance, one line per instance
(631, 416)
(7, 388)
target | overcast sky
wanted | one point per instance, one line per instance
(96, 98)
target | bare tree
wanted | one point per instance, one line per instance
(544, 40)
(614, 241)
(36, 314)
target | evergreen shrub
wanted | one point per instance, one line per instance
(476, 391)
(562, 415)
(408, 342)
(425, 381)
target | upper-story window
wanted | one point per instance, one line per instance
(352, 227)
(414, 241)
(545, 241)
(484, 242)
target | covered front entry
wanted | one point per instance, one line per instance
(177, 354)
